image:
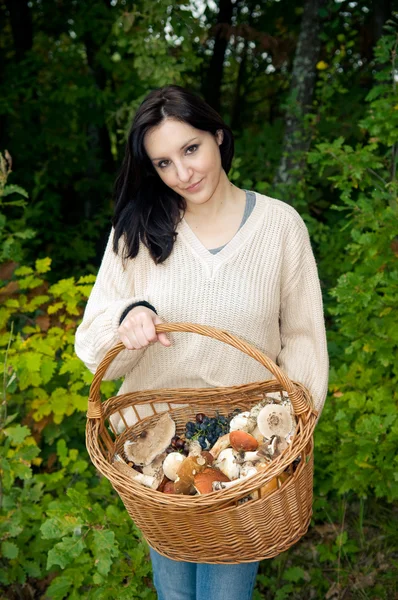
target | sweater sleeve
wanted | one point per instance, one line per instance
(111, 295)
(303, 356)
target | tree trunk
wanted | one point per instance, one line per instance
(21, 26)
(296, 138)
(237, 109)
(213, 78)
(98, 141)
(382, 12)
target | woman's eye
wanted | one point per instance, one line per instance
(162, 164)
(192, 149)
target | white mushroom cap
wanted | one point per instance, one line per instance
(242, 422)
(247, 470)
(171, 465)
(256, 433)
(145, 447)
(226, 462)
(275, 419)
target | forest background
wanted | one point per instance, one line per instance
(310, 90)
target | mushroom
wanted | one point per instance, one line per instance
(242, 441)
(195, 449)
(203, 481)
(221, 444)
(255, 410)
(270, 486)
(254, 457)
(208, 457)
(171, 464)
(247, 470)
(145, 447)
(155, 469)
(228, 464)
(190, 466)
(168, 488)
(147, 480)
(272, 448)
(256, 433)
(275, 420)
(163, 484)
(283, 477)
(278, 446)
(242, 422)
(221, 485)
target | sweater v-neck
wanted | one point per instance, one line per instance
(214, 261)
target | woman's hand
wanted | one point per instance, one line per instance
(138, 329)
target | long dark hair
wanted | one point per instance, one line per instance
(146, 209)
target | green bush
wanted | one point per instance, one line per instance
(63, 530)
(359, 427)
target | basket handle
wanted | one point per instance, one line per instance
(297, 398)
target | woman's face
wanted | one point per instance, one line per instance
(187, 159)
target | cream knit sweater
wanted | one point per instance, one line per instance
(262, 286)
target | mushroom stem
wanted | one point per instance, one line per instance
(221, 444)
(146, 480)
(221, 485)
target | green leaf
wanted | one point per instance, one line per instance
(62, 452)
(58, 527)
(32, 569)
(105, 548)
(43, 265)
(294, 574)
(65, 552)
(9, 550)
(14, 189)
(17, 433)
(59, 587)
(47, 369)
(22, 271)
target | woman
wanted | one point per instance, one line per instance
(188, 245)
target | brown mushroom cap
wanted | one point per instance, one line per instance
(269, 487)
(203, 481)
(243, 441)
(168, 488)
(186, 474)
(283, 477)
(142, 449)
(208, 457)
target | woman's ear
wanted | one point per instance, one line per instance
(219, 136)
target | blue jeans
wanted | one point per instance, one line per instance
(175, 580)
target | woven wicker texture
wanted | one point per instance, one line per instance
(224, 526)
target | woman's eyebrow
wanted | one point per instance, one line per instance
(182, 148)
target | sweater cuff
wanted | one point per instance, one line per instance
(131, 306)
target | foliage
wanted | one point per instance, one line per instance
(349, 552)
(360, 425)
(61, 525)
(13, 229)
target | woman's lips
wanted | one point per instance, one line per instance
(194, 187)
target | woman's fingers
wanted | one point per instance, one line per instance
(129, 340)
(138, 329)
(162, 337)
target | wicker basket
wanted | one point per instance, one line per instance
(220, 527)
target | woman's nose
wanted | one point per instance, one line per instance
(183, 173)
